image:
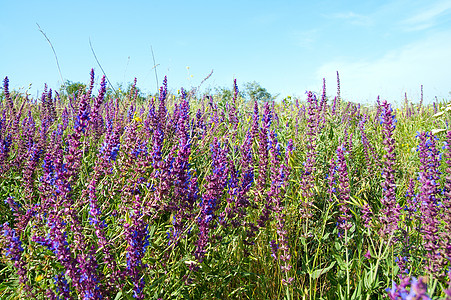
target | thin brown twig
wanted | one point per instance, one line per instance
(95, 56)
(54, 53)
(154, 65)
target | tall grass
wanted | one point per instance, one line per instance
(196, 197)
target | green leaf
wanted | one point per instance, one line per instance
(118, 296)
(435, 131)
(438, 114)
(317, 273)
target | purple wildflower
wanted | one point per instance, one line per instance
(428, 177)
(389, 214)
(216, 182)
(446, 202)
(308, 178)
(103, 243)
(96, 118)
(409, 288)
(263, 143)
(137, 237)
(344, 217)
(9, 101)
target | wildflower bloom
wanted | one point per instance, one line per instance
(279, 174)
(233, 111)
(389, 214)
(446, 202)
(429, 192)
(185, 186)
(9, 101)
(409, 288)
(322, 106)
(239, 184)
(162, 110)
(308, 178)
(14, 251)
(263, 143)
(410, 208)
(96, 118)
(331, 178)
(14, 247)
(344, 217)
(102, 241)
(137, 237)
(216, 182)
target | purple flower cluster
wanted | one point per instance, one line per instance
(102, 242)
(216, 183)
(446, 202)
(344, 217)
(9, 100)
(279, 175)
(96, 119)
(429, 196)
(389, 213)
(263, 143)
(308, 178)
(14, 251)
(409, 288)
(185, 191)
(233, 111)
(137, 237)
(239, 184)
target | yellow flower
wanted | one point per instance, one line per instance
(137, 118)
(39, 278)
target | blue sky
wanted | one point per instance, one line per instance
(381, 48)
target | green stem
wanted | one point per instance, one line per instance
(347, 265)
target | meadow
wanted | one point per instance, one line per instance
(189, 196)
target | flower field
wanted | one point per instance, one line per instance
(187, 196)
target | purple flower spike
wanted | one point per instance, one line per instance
(389, 214)
(9, 101)
(308, 178)
(137, 237)
(446, 214)
(96, 118)
(428, 198)
(344, 217)
(263, 143)
(409, 288)
(216, 183)
(14, 251)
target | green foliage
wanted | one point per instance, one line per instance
(251, 91)
(224, 93)
(73, 88)
(255, 92)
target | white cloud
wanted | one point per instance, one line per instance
(305, 38)
(400, 70)
(428, 17)
(353, 18)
